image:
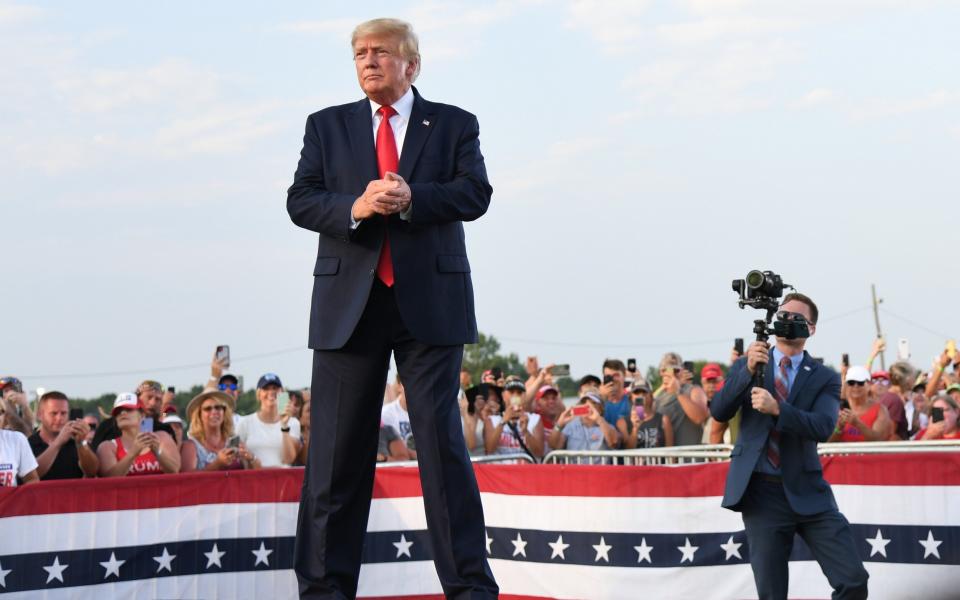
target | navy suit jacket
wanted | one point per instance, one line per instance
(807, 417)
(441, 162)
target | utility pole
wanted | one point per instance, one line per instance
(876, 319)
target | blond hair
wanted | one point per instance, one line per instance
(196, 425)
(401, 31)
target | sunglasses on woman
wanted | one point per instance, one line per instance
(213, 407)
(857, 383)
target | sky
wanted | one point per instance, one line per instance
(642, 155)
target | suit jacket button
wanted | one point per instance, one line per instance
(372, 271)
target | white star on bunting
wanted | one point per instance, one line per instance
(165, 560)
(878, 545)
(643, 551)
(732, 549)
(930, 545)
(112, 566)
(3, 575)
(214, 556)
(489, 541)
(519, 546)
(558, 548)
(603, 551)
(55, 571)
(403, 547)
(688, 550)
(262, 555)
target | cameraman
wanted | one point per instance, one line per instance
(775, 479)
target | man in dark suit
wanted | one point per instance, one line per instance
(387, 182)
(775, 478)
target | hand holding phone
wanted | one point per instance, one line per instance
(560, 371)
(223, 356)
(283, 399)
(632, 365)
(936, 414)
(146, 425)
(533, 366)
(581, 410)
(903, 349)
(738, 346)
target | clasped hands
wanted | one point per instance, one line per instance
(385, 196)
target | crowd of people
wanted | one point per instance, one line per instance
(502, 414)
(143, 434)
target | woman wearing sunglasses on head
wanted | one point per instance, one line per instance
(862, 419)
(208, 446)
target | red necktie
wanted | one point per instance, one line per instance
(781, 387)
(387, 160)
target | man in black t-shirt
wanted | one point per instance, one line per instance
(60, 445)
(150, 394)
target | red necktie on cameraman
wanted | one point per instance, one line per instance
(781, 385)
(387, 160)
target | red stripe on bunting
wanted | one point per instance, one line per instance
(283, 485)
(151, 491)
(926, 468)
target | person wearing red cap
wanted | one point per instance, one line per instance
(716, 432)
(136, 452)
(549, 406)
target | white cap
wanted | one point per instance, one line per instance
(858, 373)
(172, 418)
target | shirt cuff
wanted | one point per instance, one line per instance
(406, 213)
(353, 223)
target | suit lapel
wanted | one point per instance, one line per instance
(418, 130)
(807, 366)
(360, 132)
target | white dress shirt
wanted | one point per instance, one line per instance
(398, 122)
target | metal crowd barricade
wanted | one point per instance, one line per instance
(681, 455)
(674, 455)
(845, 448)
(493, 458)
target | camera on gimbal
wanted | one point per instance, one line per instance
(763, 289)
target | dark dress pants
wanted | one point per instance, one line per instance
(771, 524)
(346, 398)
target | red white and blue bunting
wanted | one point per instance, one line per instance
(552, 532)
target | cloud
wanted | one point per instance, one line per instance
(342, 26)
(612, 23)
(721, 83)
(14, 14)
(718, 28)
(814, 97)
(172, 82)
(882, 108)
(223, 130)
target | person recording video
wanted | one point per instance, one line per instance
(775, 479)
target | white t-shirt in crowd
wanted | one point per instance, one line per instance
(16, 458)
(265, 440)
(393, 415)
(509, 444)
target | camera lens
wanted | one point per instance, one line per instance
(755, 279)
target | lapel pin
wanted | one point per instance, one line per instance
(426, 122)
(806, 368)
